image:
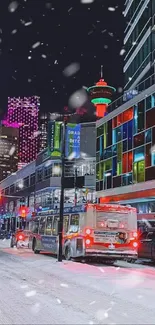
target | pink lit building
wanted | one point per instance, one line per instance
(23, 114)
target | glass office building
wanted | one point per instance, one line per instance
(139, 41)
(125, 154)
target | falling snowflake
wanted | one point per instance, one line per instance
(44, 56)
(122, 52)
(71, 69)
(87, 1)
(59, 301)
(13, 6)
(28, 23)
(35, 45)
(111, 9)
(12, 150)
(78, 98)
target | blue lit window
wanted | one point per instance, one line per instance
(124, 180)
(153, 158)
(125, 131)
(148, 136)
(114, 150)
(129, 178)
(114, 166)
(125, 145)
(153, 100)
(117, 135)
(135, 119)
(139, 154)
(130, 135)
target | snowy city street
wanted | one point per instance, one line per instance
(36, 289)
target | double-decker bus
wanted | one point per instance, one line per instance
(92, 230)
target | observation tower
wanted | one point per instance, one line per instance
(101, 96)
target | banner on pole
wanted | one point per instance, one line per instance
(73, 140)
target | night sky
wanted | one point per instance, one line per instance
(39, 38)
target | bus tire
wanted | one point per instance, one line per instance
(67, 253)
(36, 251)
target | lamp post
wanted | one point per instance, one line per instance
(60, 225)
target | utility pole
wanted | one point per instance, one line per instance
(60, 225)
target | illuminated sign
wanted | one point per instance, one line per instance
(54, 138)
(73, 140)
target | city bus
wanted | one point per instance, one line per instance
(106, 231)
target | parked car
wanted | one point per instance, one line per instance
(146, 245)
(20, 238)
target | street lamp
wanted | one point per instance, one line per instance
(60, 228)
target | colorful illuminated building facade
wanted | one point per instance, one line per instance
(101, 96)
(125, 166)
(23, 113)
(43, 129)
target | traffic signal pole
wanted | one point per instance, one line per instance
(60, 225)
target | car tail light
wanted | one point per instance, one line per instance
(20, 237)
(88, 231)
(135, 244)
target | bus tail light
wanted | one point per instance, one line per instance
(88, 231)
(88, 242)
(135, 244)
(20, 237)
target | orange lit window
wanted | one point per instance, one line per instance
(130, 160)
(125, 159)
(119, 119)
(128, 115)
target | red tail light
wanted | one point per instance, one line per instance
(88, 231)
(135, 244)
(88, 242)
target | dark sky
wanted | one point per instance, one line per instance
(68, 31)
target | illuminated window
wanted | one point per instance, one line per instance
(117, 134)
(139, 154)
(148, 136)
(119, 152)
(148, 102)
(141, 111)
(119, 119)
(128, 115)
(125, 160)
(125, 145)
(119, 168)
(125, 131)
(130, 161)
(108, 165)
(114, 166)
(114, 122)
(141, 171)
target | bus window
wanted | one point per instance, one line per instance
(66, 223)
(74, 223)
(55, 226)
(35, 226)
(42, 225)
(48, 230)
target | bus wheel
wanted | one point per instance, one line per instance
(67, 253)
(36, 251)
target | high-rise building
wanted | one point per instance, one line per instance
(43, 126)
(8, 151)
(23, 113)
(139, 41)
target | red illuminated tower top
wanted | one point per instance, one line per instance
(101, 96)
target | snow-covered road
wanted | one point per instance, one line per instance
(36, 289)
